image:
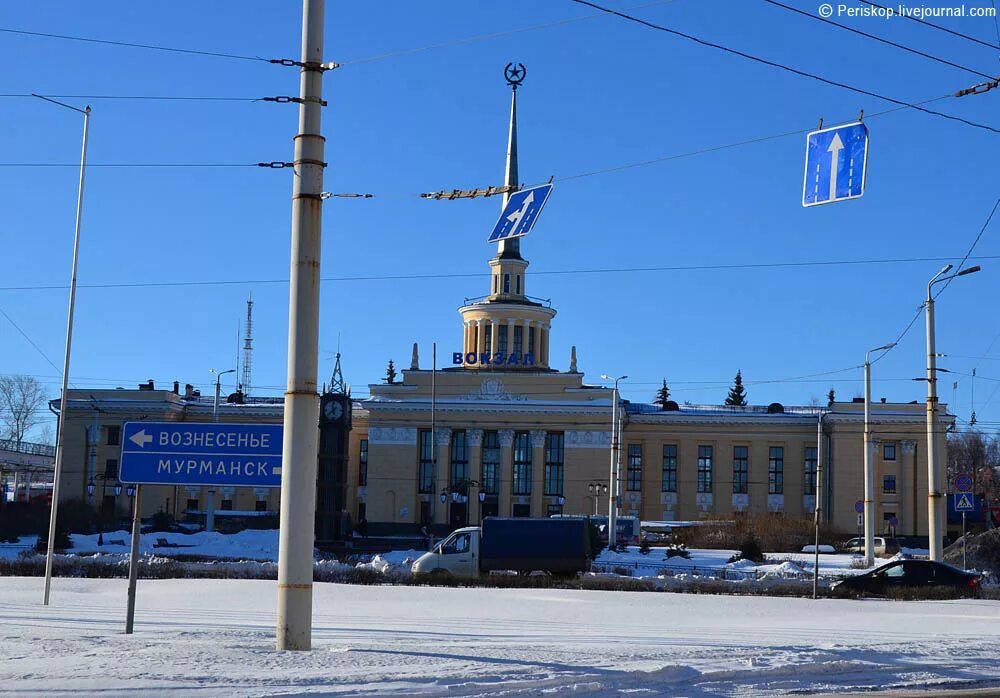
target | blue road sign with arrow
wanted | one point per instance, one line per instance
(187, 453)
(520, 213)
(964, 502)
(836, 160)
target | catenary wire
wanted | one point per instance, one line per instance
(937, 26)
(179, 98)
(971, 247)
(465, 275)
(880, 39)
(782, 66)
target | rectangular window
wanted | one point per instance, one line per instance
(889, 484)
(426, 472)
(518, 338)
(362, 511)
(114, 435)
(502, 339)
(776, 470)
(704, 469)
(506, 283)
(522, 464)
(670, 468)
(519, 284)
(491, 462)
(226, 505)
(192, 504)
(809, 479)
(488, 342)
(554, 464)
(260, 505)
(425, 513)
(741, 469)
(110, 469)
(553, 510)
(521, 510)
(459, 458)
(531, 340)
(634, 474)
(889, 450)
(363, 464)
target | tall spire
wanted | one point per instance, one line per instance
(337, 385)
(514, 72)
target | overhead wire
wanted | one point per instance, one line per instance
(972, 247)
(782, 66)
(880, 39)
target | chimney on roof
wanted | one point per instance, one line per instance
(148, 385)
(177, 388)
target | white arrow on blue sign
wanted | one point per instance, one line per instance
(963, 502)
(836, 160)
(520, 213)
(188, 453)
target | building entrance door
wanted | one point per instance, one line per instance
(459, 511)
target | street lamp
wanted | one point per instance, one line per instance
(90, 487)
(597, 489)
(935, 474)
(869, 470)
(218, 387)
(118, 489)
(615, 489)
(130, 490)
(61, 426)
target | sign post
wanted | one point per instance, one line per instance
(194, 453)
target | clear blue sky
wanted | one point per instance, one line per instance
(600, 92)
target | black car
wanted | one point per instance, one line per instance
(909, 574)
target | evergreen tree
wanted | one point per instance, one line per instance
(662, 395)
(737, 394)
(390, 373)
(830, 398)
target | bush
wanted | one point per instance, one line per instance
(644, 547)
(749, 550)
(774, 532)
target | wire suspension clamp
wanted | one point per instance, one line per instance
(979, 89)
(469, 193)
(294, 100)
(310, 65)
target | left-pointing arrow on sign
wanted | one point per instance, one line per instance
(141, 438)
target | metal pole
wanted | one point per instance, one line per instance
(301, 435)
(434, 452)
(935, 498)
(215, 405)
(612, 518)
(965, 564)
(869, 470)
(61, 428)
(133, 561)
(817, 518)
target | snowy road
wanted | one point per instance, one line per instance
(215, 638)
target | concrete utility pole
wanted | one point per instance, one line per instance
(818, 508)
(61, 427)
(301, 435)
(869, 470)
(614, 493)
(935, 474)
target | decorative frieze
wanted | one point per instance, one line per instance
(775, 502)
(588, 439)
(741, 502)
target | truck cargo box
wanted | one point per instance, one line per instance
(558, 546)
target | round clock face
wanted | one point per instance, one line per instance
(333, 411)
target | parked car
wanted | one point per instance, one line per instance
(884, 547)
(909, 574)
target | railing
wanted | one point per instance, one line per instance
(32, 449)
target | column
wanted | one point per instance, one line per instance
(506, 471)
(442, 440)
(877, 494)
(481, 339)
(466, 338)
(475, 441)
(510, 336)
(538, 499)
(905, 486)
(543, 337)
(525, 332)
(493, 335)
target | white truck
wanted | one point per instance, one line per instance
(523, 545)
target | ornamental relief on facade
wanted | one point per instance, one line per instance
(405, 436)
(493, 389)
(588, 439)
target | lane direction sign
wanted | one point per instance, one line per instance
(836, 160)
(963, 483)
(192, 453)
(963, 502)
(520, 213)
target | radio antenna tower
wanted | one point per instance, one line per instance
(248, 349)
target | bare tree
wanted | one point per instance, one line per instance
(976, 454)
(22, 402)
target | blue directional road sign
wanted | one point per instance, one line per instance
(963, 483)
(835, 164)
(187, 453)
(520, 213)
(964, 502)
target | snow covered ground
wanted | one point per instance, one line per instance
(215, 638)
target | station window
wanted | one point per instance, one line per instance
(889, 484)
(518, 339)
(809, 479)
(518, 283)
(889, 450)
(226, 505)
(363, 464)
(741, 469)
(634, 475)
(426, 465)
(670, 468)
(704, 469)
(491, 462)
(502, 339)
(522, 464)
(554, 464)
(506, 283)
(110, 469)
(459, 458)
(114, 435)
(776, 470)
(260, 505)
(192, 504)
